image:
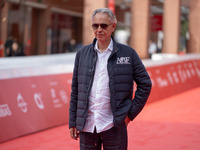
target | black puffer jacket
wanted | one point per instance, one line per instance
(124, 67)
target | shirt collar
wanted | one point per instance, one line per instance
(110, 46)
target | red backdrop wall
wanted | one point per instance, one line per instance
(31, 104)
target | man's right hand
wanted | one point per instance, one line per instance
(74, 133)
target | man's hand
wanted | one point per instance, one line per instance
(74, 133)
(127, 120)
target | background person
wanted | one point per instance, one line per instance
(101, 104)
(152, 48)
(15, 50)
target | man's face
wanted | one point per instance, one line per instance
(102, 27)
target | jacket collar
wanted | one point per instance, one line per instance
(115, 48)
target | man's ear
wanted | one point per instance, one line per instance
(114, 26)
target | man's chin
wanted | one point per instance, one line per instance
(100, 37)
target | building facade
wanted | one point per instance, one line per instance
(59, 26)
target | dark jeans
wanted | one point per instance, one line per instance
(112, 139)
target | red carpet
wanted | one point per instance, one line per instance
(169, 124)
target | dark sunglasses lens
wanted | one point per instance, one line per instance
(104, 26)
(95, 26)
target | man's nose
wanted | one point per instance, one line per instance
(99, 28)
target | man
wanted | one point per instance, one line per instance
(101, 103)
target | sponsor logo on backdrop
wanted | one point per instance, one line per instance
(172, 77)
(162, 82)
(38, 100)
(196, 68)
(55, 100)
(5, 111)
(21, 103)
(64, 96)
(175, 74)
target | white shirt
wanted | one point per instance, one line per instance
(99, 113)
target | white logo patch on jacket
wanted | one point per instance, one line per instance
(123, 60)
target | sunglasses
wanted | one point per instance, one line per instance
(104, 26)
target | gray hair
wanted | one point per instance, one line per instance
(107, 11)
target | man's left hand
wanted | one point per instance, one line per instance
(127, 120)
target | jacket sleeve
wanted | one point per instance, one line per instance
(144, 85)
(74, 94)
